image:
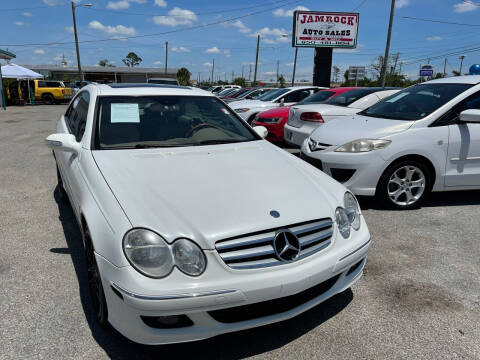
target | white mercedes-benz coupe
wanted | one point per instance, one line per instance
(424, 138)
(177, 247)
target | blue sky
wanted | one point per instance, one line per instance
(232, 43)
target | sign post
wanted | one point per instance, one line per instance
(356, 73)
(324, 31)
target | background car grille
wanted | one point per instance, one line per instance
(256, 250)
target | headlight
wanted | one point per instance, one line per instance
(352, 210)
(188, 257)
(342, 222)
(151, 255)
(241, 110)
(363, 145)
(275, 120)
(148, 252)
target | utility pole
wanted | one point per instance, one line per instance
(233, 74)
(250, 73)
(76, 37)
(256, 61)
(400, 69)
(213, 67)
(278, 65)
(445, 68)
(461, 64)
(294, 66)
(242, 70)
(387, 46)
(166, 56)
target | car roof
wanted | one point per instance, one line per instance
(465, 79)
(148, 89)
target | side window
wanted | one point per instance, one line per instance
(297, 96)
(451, 117)
(41, 83)
(82, 112)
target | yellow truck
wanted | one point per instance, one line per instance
(47, 91)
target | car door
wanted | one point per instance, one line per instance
(463, 161)
(74, 122)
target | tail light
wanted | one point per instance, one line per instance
(312, 116)
(63, 91)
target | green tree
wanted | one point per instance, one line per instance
(105, 63)
(456, 73)
(132, 59)
(183, 76)
(240, 81)
(281, 80)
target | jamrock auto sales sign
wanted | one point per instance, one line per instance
(325, 29)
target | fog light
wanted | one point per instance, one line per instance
(167, 322)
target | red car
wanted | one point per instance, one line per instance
(275, 119)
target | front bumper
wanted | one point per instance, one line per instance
(367, 167)
(209, 300)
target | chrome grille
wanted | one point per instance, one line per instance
(256, 250)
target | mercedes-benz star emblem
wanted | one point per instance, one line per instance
(286, 245)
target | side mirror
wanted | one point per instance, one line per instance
(470, 116)
(282, 101)
(63, 142)
(261, 131)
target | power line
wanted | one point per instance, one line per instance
(439, 21)
(161, 33)
(359, 5)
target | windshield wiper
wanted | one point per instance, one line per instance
(150, 146)
(214, 142)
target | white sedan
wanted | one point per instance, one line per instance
(177, 247)
(308, 115)
(248, 109)
(424, 138)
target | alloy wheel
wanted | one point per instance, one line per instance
(406, 185)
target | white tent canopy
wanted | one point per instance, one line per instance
(14, 71)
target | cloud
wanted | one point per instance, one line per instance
(207, 64)
(271, 36)
(158, 63)
(52, 2)
(213, 50)
(434, 38)
(290, 64)
(270, 73)
(27, 14)
(239, 25)
(216, 50)
(464, 7)
(112, 30)
(19, 23)
(39, 52)
(118, 5)
(68, 29)
(160, 3)
(401, 3)
(180, 49)
(289, 13)
(176, 17)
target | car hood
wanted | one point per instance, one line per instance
(358, 127)
(252, 104)
(215, 192)
(276, 112)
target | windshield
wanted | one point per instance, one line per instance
(272, 95)
(225, 92)
(317, 98)
(415, 102)
(126, 122)
(348, 97)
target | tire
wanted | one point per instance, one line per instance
(97, 295)
(405, 185)
(61, 190)
(48, 99)
(250, 119)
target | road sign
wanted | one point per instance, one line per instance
(426, 70)
(324, 29)
(356, 73)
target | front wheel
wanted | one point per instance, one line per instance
(48, 99)
(405, 185)
(97, 294)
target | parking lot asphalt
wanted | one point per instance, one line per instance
(419, 297)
